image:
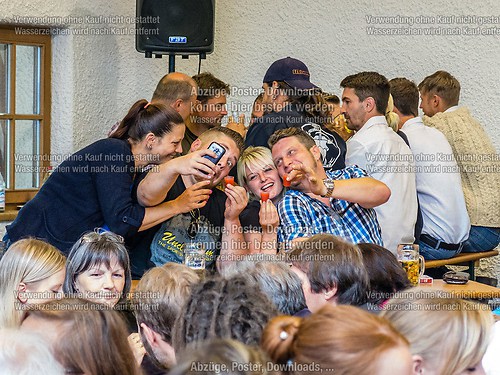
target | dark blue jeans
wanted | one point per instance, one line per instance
(481, 239)
(434, 253)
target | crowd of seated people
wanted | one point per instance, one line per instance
(299, 273)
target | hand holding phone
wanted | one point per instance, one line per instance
(218, 150)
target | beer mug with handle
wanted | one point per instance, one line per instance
(412, 262)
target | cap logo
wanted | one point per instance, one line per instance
(299, 71)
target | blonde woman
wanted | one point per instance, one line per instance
(260, 220)
(447, 336)
(31, 271)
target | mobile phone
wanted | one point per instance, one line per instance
(218, 150)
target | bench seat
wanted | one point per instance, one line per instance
(462, 259)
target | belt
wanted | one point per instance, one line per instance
(428, 240)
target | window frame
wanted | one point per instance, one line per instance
(39, 37)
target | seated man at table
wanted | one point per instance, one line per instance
(339, 202)
(439, 188)
(475, 154)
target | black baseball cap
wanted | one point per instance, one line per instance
(291, 71)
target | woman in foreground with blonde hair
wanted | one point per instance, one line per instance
(448, 336)
(343, 340)
(31, 272)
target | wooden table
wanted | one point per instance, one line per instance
(471, 290)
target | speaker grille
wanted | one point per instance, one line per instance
(179, 26)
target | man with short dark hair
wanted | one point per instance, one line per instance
(214, 214)
(445, 220)
(377, 149)
(209, 109)
(476, 157)
(338, 202)
(331, 271)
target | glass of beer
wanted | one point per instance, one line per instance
(413, 263)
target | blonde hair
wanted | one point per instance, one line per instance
(26, 261)
(343, 338)
(391, 117)
(253, 158)
(450, 334)
(14, 347)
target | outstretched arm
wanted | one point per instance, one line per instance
(155, 186)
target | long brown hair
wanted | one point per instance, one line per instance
(143, 118)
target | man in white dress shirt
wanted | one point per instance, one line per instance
(439, 187)
(376, 148)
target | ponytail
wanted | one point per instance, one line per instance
(145, 117)
(278, 338)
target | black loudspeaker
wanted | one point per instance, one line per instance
(175, 26)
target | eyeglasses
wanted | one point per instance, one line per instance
(193, 228)
(101, 234)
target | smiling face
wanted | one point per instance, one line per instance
(289, 151)
(102, 284)
(263, 179)
(169, 145)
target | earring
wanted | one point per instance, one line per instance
(150, 147)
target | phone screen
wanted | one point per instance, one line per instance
(218, 150)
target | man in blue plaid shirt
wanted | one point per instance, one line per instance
(339, 202)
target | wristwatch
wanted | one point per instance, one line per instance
(330, 186)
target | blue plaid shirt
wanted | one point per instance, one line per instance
(303, 216)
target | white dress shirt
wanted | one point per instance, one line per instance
(385, 156)
(439, 186)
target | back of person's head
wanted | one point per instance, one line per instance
(26, 353)
(330, 262)
(405, 95)
(369, 84)
(223, 356)
(144, 118)
(224, 308)
(253, 159)
(343, 338)
(384, 271)
(442, 84)
(449, 334)
(160, 295)
(280, 284)
(26, 261)
(210, 87)
(174, 86)
(298, 133)
(86, 337)
(212, 134)
(92, 250)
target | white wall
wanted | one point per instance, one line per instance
(96, 78)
